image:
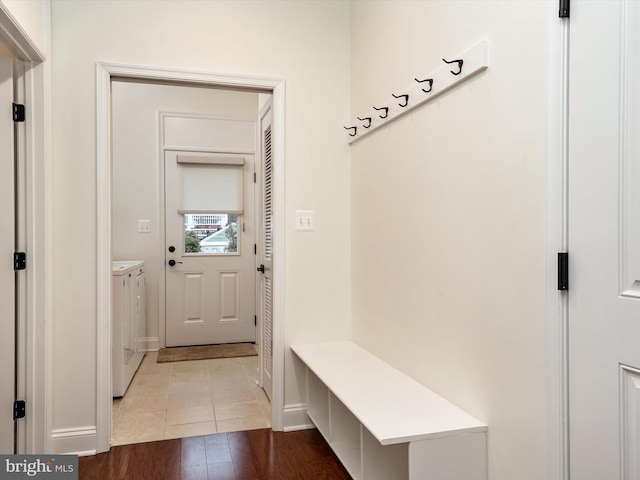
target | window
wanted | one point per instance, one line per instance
(211, 234)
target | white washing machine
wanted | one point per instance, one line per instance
(129, 322)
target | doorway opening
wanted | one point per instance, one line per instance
(184, 212)
(107, 74)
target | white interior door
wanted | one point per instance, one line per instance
(265, 280)
(210, 256)
(604, 240)
(7, 246)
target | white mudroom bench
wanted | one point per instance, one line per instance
(382, 424)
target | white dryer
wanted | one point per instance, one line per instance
(128, 322)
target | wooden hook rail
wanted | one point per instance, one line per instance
(467, 65)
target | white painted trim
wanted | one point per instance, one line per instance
(40, 244)
(74, 441)
(73, 432)
(162, 281)
(279, 217)
(296, 418)
(16, 39)
(252, 83)
(35, 346)
(629, 412)
(556, 241)
(22, 230)
(150, 344)
(86, 453)
(104, 73)
(629, 286)
(278, 179)
(103, 270)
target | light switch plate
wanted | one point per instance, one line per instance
(144, 226)
(304, 220)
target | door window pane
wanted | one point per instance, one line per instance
(211, 234)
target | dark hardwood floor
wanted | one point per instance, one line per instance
(250, 455)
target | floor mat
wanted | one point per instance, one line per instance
(206, 352)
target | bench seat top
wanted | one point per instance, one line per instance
(390, 404)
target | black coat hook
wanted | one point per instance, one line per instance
(386, 111)
(430, 80)
(355, 130)
(365, 118)
(406, 99)
(459, 62)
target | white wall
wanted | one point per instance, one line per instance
(137, 175)
(451, 291)
(448, 214)
(33, 18)
(307, 44)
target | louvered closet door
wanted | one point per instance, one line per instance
(266, 279)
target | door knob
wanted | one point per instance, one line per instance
(172, 262)
(261, 268)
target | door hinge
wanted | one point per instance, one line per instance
(255, 320)
(255, 249)
(18, 112)
(564, 9)
(19, 260)
(19, 409)
(563, 271)
(255, 178)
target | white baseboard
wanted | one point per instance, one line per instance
(296, 418)
(74, 441)
(149, 344)
(86, 453)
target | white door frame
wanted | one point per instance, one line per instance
(104, 73)
(556, 228)
(8, 290)
(33, 147)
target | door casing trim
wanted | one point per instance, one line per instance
(104, 73)
(34, 150)
(556, 225)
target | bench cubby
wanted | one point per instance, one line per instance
(382, 424)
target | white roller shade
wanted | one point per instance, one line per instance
(211, 188)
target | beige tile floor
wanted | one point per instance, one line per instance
(185, 399)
